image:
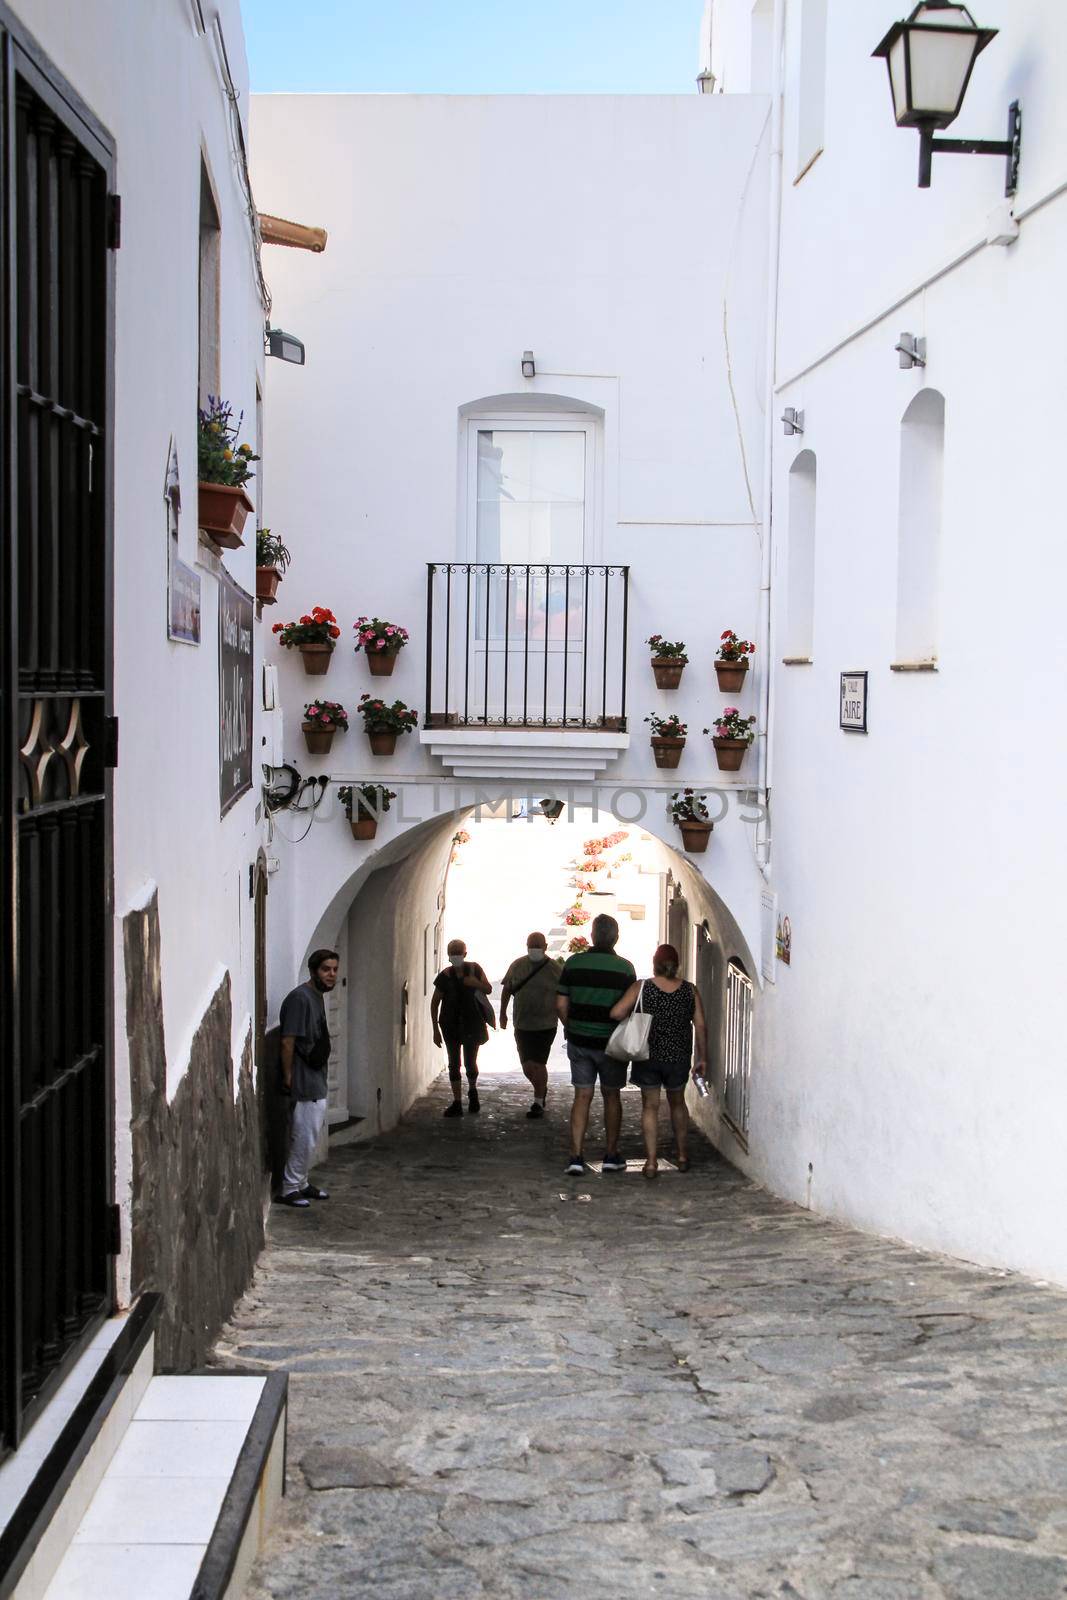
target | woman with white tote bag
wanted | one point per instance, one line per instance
(676, 1013)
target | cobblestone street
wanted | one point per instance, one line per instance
(508, 1383)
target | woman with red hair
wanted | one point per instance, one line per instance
(677, 1013)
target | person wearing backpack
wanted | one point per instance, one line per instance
(677, 1013)
(530, 983)
(460, 1012)
(305, 1053)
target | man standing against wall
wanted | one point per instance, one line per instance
(589, 985)
(305, 1054)
(530, 982)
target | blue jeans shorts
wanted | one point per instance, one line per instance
(588, 1064)
(669, 1075)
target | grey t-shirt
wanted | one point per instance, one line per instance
(303, 1017)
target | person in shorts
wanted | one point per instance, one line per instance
(530, 985)
(677, 1014)
(591, 982)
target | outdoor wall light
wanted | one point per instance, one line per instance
(912, 350)
(528, 368)
(286, 346)
(792, 421)
(930, 60)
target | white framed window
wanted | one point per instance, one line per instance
(800, 579)
(922, 466)
(531, 503)
(737, 1059)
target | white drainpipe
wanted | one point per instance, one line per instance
(763, 641)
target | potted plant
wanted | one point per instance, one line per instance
(314, 636)
(322, 719)
(733, 735)
(668, 739)
(668, 660)
(690, 813)
(731, 662)
(272, 558)
(579, 942)
(223, 468)
(383, 642)
(593, 847)
(384, 723)
(576, 916)
(365, 804)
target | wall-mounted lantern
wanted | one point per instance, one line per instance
(792, 421)
(528, 368)
(930, 58)
(286, 346)
(912, 350)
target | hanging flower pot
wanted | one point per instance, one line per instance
(668, 739)
(689, 812)
(668, 661)
(316, 658)
(731, 664)
(382, 641)
(668, 752)
(364, 805)
(383, 724)
(322, 719)
(733, 735)
(314, 636)
(695, 836)
(267, 581)
(223, 466)
(222, 510)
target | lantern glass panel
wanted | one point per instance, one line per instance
(940, 64)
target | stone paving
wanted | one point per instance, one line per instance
(506, 1383)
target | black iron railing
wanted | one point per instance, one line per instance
(526, 645)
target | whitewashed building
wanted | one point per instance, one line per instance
(132, 1173)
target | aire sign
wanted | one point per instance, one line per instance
(854, 702)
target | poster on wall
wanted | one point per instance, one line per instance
(235, 692)
(183, 584)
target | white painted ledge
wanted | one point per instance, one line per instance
(524, 753)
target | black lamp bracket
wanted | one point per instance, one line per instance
(1010, 148)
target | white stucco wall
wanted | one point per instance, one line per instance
(913, 1047)
(623, 241)
(157, 86)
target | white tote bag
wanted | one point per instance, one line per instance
(629, 1042)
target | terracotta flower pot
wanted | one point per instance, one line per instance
(364, 827)
(729, 753)
(316, 659)
(695, 836)
(222, 510)
(381, 662)
(668, 672)
(317, 738)
(382, 741)
(668, 752)
(731, 675)
(267, 581)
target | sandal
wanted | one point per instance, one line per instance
(683, 1163)
(648, 1171)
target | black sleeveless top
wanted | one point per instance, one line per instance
(670, 1042)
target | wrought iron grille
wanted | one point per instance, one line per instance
(526, 645)
(55, 581)
(737, 1063)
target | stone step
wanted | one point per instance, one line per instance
(183, 1505)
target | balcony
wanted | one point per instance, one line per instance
(526, 668)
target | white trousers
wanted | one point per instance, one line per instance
(308, 1118)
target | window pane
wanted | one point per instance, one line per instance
(531, 496)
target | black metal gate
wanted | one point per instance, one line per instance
(55, 680)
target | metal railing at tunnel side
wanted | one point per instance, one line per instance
(526, 645)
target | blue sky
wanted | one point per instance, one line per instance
(473, 46)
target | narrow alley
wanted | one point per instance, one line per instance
(508, 1383)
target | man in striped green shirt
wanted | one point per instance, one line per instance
(589, 985)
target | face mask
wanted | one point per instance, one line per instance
(535, 953)
(457, 961)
